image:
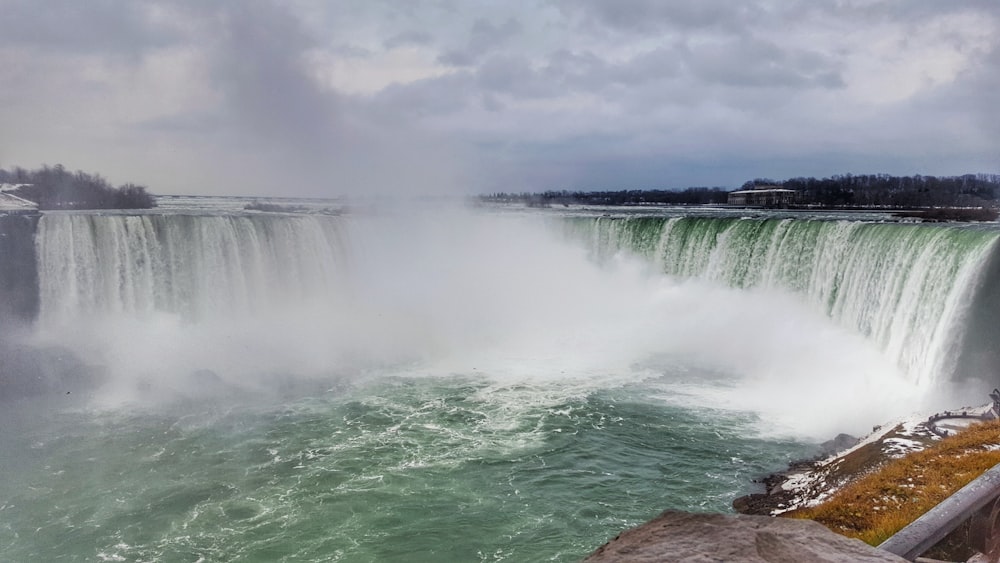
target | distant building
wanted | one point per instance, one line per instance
(11, 202)
(764, 196)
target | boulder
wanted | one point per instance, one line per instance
(840, 443)
(683, 536)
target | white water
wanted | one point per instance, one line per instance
(194, 266)
(906, 288)
(156, 300)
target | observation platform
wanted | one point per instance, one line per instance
(949, 423)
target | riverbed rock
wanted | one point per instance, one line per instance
(808, 482)
(840, 443)
(683, 536)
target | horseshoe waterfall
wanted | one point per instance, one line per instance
(209, 383)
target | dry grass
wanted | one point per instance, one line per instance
(878, 505)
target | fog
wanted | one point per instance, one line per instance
(504, 297)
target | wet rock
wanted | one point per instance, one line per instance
(840, 443)
(27, 371)
(806, 483)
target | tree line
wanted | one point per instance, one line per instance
(848, 190)
(883, 190)
(57, 188)
(689, 196)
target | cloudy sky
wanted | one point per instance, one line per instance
(330, 97)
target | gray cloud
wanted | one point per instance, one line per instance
(587, 72)
(257, 65)
(562, 73)
(753, 62)
(433, 96)
(276, 127)
(651, 16)
(319, 97)
(484, 37)
(107, 26)
(514, 75)
(877, 11)
(969, 123)
(409, 37)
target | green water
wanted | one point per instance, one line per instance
(317, 388)
(905, 287)
(386, 469)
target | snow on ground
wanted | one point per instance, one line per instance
(10, 202)
(900, 447)
(913, 425)
(819, 480)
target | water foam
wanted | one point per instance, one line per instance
(907, 288)
(182, 305)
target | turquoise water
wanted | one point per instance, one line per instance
(386, 469)
(454, 386)
(905, 287)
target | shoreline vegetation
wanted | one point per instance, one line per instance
(54, 188)
(879, 504)
(877, 487)
(971, 197)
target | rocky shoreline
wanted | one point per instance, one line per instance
(809, 482)
(754, 535)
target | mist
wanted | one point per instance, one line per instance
(503, 298)
(307, 138)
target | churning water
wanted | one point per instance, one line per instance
(469, 386)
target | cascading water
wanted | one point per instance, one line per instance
(350, 292)
(18, 271)
(416, 386)
(184, 264)
(905, 287)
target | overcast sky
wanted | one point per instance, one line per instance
(330, 97)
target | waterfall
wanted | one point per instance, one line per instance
(406, 287)
(18, 275)
(188, 265)
(906, 287)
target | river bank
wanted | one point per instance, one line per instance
(808, 483)
(842, 506)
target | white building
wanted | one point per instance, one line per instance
(762, 197)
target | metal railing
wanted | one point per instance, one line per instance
(979, 501)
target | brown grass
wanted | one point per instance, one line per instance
(880, 504)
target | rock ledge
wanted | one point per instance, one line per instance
(683, 536)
